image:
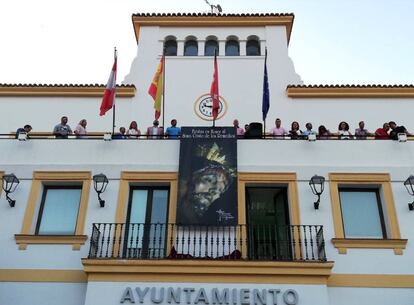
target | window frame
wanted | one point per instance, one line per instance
(165, 47)
(43, 201)
(379, 205)
(211, 40)
(230, 40)
(40, 179)
(256, 41)
(381, 181)
(190, 43)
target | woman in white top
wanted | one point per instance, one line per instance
(80, 130)
(133, 131)
(343, 131)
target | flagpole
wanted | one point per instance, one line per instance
(113, 108)
(163, 89)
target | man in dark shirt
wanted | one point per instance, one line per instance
(395, 130)
(26, 129)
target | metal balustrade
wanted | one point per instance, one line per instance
(238, 242)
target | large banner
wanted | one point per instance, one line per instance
(207, 193)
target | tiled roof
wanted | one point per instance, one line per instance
(211, 15)
(352, 86)
(350, 91)
(68, 90)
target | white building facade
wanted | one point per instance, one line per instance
(59, 246)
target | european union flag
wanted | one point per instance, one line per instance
(266, 95)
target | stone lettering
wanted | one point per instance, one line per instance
(244, 296)
(259, 297)
(291, 297)
(128, 295)
(141, 294)
(216, 298)
(154, 298)
(274, 292)
(201, 297)
(173, 295)
(188, 292)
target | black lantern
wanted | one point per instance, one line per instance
(409, 185)
(100, 182)
(10, 182)
(316, 184)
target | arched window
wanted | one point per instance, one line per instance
(170, 46)
(211, 46)
(253, 47)
(232, 48)
(191, 48)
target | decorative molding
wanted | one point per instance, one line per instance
(288, 179)
(213, 21)
(350, 92)
(207, 271)
(63, 91)
(390, 216)
(344, 243)
(371, 280)
(25, 239)
(39, 177)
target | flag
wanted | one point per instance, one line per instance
(214, 91)
(266, 95)
(110, 91)
(156, 88)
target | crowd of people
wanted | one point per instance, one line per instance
(389, 130)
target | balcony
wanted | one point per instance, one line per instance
(157, 241)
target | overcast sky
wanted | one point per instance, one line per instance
(333, 41)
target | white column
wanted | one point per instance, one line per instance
(242, 46)
(180, 47)
(222, 48)
(201, 44)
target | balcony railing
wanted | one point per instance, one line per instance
(174, 241)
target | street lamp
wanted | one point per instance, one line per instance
(100, 182)
(316, 184)
(10, 182)
(409, 185)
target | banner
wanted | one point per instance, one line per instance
(207, 186)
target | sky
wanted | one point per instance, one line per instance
(333, 42)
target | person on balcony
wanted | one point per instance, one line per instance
(26, 129)
(294, 131)
(361, 133)
(239, 131)
(133, 131)
(155, 132)
(382, 133)
(343, 131)
(62, 130)
(395, 130)
(309, 130)
(80, 130)
(323, 133)
(121, 134)
(173, 132)
(278, 131)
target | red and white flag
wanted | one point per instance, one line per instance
(214, 91)
(110, 91)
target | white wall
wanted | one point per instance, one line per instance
(42, 293)
(302, 157)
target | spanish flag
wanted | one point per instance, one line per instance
(156, 87)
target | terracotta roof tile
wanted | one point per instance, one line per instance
(210, 15)
(353, 86)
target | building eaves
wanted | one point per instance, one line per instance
(350, 91)
(212, 20)
(63, 90)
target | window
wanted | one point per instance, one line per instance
(362, 215)
(232, 48)
(253, 47)
(170, 46)
(210, 47)
(364, 212)
(147, 222)
(191, 48)
(58, 210)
